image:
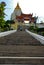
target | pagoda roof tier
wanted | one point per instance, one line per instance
(28, 15)
(19, 17)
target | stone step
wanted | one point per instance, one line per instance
(22, 61)
(21, 51)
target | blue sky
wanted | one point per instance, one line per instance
(27, 6)
(8, 9)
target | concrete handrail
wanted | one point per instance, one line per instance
(36, 36)
(7, 33)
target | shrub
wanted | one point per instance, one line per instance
(43, 33)
(31, 27)
(40, 29)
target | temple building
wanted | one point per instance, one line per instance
(19, 17)
(17, 12)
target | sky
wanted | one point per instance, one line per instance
(28, 6)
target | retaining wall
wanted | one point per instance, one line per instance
(36, 36)
(7, 33)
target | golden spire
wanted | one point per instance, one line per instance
(17, 7)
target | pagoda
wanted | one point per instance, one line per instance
(20, 16)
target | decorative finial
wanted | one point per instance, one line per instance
(18, 7)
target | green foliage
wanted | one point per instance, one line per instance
(2, 14)
(4, 25)
(31, 28)
(40, 29)
(9, 22)
(37, 30)
(43, 33)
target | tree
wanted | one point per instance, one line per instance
(35, 20)
(9, 22)
(2, 14)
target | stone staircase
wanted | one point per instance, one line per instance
(19, 38)
(21, 44)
